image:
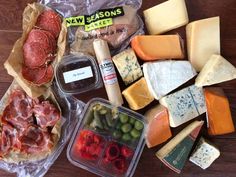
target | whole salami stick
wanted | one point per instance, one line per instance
(108, 72)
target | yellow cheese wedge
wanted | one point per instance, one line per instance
(158, 129)
(154, 47)
(138, 95)
(216, 70)
(203, 40)
(166, 16)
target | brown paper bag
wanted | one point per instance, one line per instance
(15, 61)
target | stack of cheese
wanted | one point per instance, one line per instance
(164, 71)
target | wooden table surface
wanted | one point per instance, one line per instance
(149, 165)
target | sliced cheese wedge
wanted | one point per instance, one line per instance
(154, 47)
(166, 16)
(158, 129)
(184, 105)
(175, 153)
(203, 40)
(164, 76)
(216, 70)
(218, 110)
(204, 154)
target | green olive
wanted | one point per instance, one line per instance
(124, 118)
(138, 125)
(126, 128)
(131, 120)
(126, 137)
(118, 126)
(117, 134)
(135, 133)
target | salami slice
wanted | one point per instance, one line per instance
(47, 77)
(34, 75)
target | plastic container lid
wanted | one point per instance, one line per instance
(76, 74)
(108, 140)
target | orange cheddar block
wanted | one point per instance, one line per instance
(218, 110)
(158, 129)
(155, 47)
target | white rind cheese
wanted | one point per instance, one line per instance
(203, 40)
(166, 16)
(184, 105)
(204, 154)
(216, 70)
(164, 76)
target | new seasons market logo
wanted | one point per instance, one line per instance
(99, 19)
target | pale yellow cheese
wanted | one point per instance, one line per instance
(166, 16)
(203, 40)
(138, 95)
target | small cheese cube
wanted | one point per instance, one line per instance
(216, 70)
(138, 95)
(184, 105)
(164, 76)
(203, 40)
(154, 47)
(158, 129)
(127, 64)
(218, 110)
(166, 16)
(204, 154)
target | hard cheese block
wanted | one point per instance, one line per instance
(154, 47)
(184, 105)
(218, 110)
(164, 76)
(137, 95)
(175, 153)
(203, 40)
(215, 71)
(204, 154)
(166, 16)
(158, 129)
(127, 64)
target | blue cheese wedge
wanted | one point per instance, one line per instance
(204, 154)
(127, 64)
(215, 71)
(164, 76)
(184, 105)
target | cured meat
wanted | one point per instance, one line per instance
(50, 21)
(46, 114)
(47, 77)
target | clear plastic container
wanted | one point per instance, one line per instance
(77, 74)
(108, 140)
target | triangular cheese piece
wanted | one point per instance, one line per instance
(175, 153)
(216, 70)
(164, 76)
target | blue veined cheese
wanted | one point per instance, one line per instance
(164, 76)
(127, 64)
(204, 154)
(184, 105)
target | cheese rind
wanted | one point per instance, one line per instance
(204, 154)
(218, 111)
(216, 70)
(158, 19)
(127, 64)
(203, 40)
(184, 105)
(175, 153)
(164, 76)
(156, 47)
(137, 95)
(158, 129)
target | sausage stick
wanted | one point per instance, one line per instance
(108, 72)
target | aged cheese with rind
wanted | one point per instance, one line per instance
(175, 153)
(184, 105)
(166, 16)
(216, 70)
(158, 129)
(158, 47)
(204, 154)
(127, 64)
(203, 40)
(164, 76)
(137, 95)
